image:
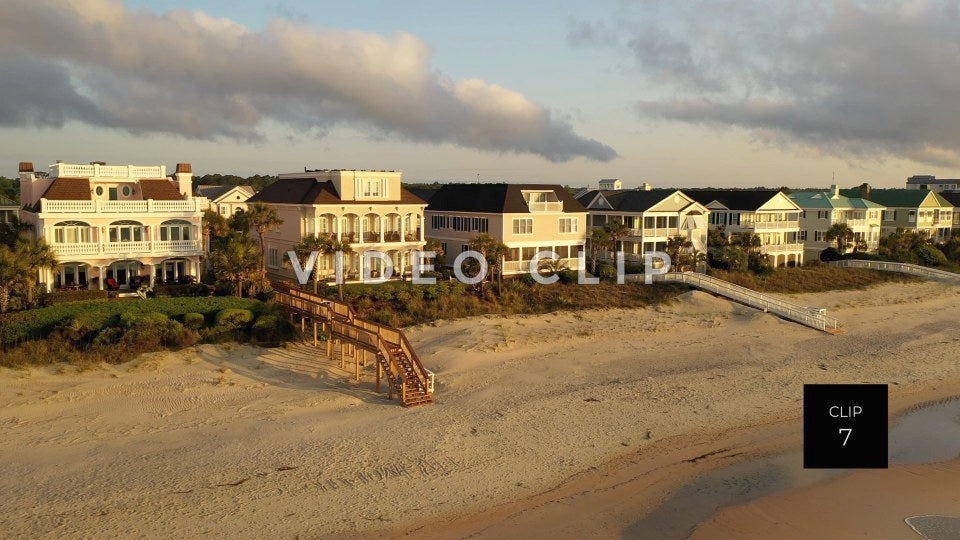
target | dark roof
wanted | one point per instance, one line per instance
(213, 192)
(927, 179)
(953, 197)
(734, 199)
(311, 191)
(495, 198)
(629, 200)
(894, 198)
(159, 190)
(68, 189)
(425, 193)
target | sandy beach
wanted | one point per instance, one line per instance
(567, 424)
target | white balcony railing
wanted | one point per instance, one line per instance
(547, 206)
(661, 232)
(773, 225)
(150, 206)
(156, 247)
(108, 171)
(781, 248)
(514, 267)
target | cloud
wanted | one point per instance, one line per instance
(854, 79)
(186, 73)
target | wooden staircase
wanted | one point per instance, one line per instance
(395, 356)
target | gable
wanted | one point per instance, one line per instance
(600, 202)
(674, 202)
(780, 201)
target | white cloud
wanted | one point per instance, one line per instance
(187, 73)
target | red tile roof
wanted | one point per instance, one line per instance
(160, 190)
(68, 189)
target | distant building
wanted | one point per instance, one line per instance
(528, 218)
(9, 209)
(910, 209)
(610, 183)
(932, 183)
(370, 210)
(652, 216)
(115, 224)
(226, 200)
(768, 213)
(823, 209)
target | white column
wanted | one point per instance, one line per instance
(422, 227)
(337, 226)
(153, 274)
(103, 276)
(402, 232)
(382, 227)
(360, 221)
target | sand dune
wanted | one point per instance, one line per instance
(242, 441)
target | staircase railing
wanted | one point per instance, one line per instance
(812, 317)
(905, 268)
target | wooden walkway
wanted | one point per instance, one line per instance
(396, 361)
(903, 268)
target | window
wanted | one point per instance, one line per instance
(563, 251)
(175, 230)
(528, 253)
(99, 191)
(274, 258)
(522, 225)
(125, 231)
(224, 210)
(912, 216)
(126, 191)
(802, 236)
(113, 194)
(372, 188)
(71, 232)
(818, 236)
(569, 225)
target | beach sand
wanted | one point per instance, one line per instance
(533, 415)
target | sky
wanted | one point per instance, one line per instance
(682, 94)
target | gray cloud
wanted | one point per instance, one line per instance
(190, 74)
(861, 79)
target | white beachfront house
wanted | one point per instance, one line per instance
(653, 216)
(370, 210)
(527, 218)
(824, 209)
(226, 200)
(768, 213)
(120, 225)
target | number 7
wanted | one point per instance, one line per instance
(847, 438)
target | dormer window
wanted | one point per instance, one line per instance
(542, 201)
(372, 188)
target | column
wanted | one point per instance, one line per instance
(337, 226)
(360, 221)
(380, 220)
(402, 232)
(422, 227)
(103, 276)
(153, 274)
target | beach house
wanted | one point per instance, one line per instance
(9, 209)
(768, 213)
(652, 216)
(824, 209)
(527, 218)
(933, 183)
(114, 226)
(226, 200)
(369, 210)
(919, 210)
(953, 197)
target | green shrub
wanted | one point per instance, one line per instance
(62, 297)
(931, 256)
(193, 321)
(108, 336)
(271, 330)
(132, 319)
(830, 254)
(233, 318)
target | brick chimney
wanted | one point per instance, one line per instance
(26, 166)
(184, 179)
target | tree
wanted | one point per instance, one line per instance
(678, 248)
(748, 242)
(37, 254)
(484, 244)
(617, 230)
(600, 242)
(13, 270)
(262, 218)
(14, 229)
(236, 261)
(436, 246)
(717, 238)
(333, 246)
(496, 254)
(214, 226)
(842, 234)
(314, 243)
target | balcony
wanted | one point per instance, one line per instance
(523, 267)
(108, 171)
(781, 248)
(150, 206)
(373, 237)
(661, 233)
(547, 206)
(772, 225)
(112, 249)
(854, 222)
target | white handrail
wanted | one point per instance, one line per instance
(812, 317)
(906, 268)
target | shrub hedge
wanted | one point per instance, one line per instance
(92, 316)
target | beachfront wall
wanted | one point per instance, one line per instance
(123, 225)
(527, 218)
(368, 210)
(824, 209)
(652, 218)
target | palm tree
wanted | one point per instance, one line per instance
(37, 254)
(553, 266)
(214, 225)
(600, 241)
(842, 234)
(12, 230)
(13, 269)
(333, 245)
(617, 230)
(678, 248)
(314, 243)
(749, 242)
(236, 261)
(496, 253)
(436, 246)
(262, 218)
(484, 244)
